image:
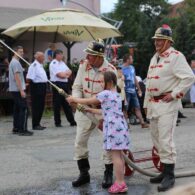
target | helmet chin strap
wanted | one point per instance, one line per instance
(98, 62)
(164, 47)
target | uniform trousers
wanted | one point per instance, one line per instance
(58, 101)
(20, 112)
(38, 93)
(84, 130)
(162, 130)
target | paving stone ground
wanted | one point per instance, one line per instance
(43, 164)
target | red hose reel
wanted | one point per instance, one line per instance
(154, 158)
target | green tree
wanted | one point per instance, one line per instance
(185, 29)
(182, 36)
(140, 19)
(122, 51)
(131, 13)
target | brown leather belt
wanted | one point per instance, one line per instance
(160, 97)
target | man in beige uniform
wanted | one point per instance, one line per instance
(88, 84)
(169, 77)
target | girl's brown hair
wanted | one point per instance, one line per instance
(110, 77)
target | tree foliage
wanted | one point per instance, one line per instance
(142, 17)
(185, 29)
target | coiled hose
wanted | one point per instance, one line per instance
(131, 164)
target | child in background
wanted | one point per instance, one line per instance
(115, 128)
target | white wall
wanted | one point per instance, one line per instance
(93, 5)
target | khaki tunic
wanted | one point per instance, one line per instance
(170, 74)
(87, 84)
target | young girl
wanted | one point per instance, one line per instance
(115, 129)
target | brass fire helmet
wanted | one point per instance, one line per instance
(163, 32)
(96, 48)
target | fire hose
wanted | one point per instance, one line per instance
(96, 122)
(128, 161)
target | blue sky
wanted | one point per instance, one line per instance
(108, 5)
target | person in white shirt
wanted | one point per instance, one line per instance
(38, 84)
(59, 74)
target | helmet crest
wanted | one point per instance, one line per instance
(96, 47)
(163, 32)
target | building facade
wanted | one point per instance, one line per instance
(21, 9)
(93, 5)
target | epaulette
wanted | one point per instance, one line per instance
(34, 64)
(112, 66)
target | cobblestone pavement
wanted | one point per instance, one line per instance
(43, 165)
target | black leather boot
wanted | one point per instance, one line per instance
(169, 178)
(159, 178)
(84, 176)
(108, 176)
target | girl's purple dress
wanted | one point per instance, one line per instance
(115, 128)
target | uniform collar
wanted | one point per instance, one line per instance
(58, 62)
(54, 60)
(37, 62)
(167, 52)
(88, 66)
(101, 68)
(104, 66)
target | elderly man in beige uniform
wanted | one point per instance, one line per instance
(88, 84)
(169, 77)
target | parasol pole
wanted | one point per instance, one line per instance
(34, 41)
